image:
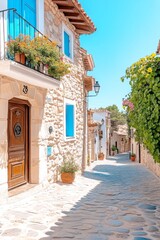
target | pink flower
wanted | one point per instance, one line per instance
(128, 103)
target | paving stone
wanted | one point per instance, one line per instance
(115, 223)
(152, 229)
(139, 233)
(11, 232)
(156, 235)
(138, 229)
(37, 226)
(32, 233)
(95, 207)
(132, 218)
(148, 206)
(122, 230)
(142, 238)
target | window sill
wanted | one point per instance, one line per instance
(69, 139)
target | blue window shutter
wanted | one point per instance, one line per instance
(69, 120)
(14, 25)
(15, 4)
(26, 9)
(66, 44)
(29, 11)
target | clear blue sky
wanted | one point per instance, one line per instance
(126, 31)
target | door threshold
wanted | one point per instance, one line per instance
(21, 189)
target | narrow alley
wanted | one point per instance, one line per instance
(114, 199)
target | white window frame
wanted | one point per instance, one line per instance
(40, 15)
(70, 33)
(71, 102)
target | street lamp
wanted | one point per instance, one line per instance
(96, 89)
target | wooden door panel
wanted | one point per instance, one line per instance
(17, 144)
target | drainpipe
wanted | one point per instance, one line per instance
(139, 152)
(84, 151)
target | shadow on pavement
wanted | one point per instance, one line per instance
(94, 216)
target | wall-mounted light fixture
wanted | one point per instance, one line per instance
(102, 121)
(96, 89)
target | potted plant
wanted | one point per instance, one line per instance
(113, 149)
(39, 53)
(68, 169)
(133, 156)
(17, 48)
(101, 156)
(45, 56)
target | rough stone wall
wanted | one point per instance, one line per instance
(71, 87)
(149, 162)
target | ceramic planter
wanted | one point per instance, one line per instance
(133, 158)
(67, 177)
(20, 57)
(101, 156)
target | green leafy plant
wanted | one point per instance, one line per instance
(69, 166)
(43, 51)
(40, 51)
(144, 116)
(18, 45)
(133, 155)
(114, 148)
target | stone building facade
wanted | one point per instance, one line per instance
(120, 139)
(99, 132)
(143, 156)
(38, 102)
(71, 88)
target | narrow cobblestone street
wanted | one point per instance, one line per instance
(114, 199)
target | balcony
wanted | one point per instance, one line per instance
(34, 67)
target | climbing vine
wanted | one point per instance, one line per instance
(143, 103)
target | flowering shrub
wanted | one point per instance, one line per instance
(17, 45)
(144, 114)
(128, 104)
(39, 50)
(42, 50)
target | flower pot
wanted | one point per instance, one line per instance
(67, 177)
(20, 57)
(101, 156)
(133, 158)
(17, 57)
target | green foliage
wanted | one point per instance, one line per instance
(17, 45)
(69, 166)
(116, 116)
(114, 148)
(133, 155)
(144, 78)
(39, 50)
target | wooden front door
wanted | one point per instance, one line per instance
(18, 152)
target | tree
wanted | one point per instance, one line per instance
(117, 117)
